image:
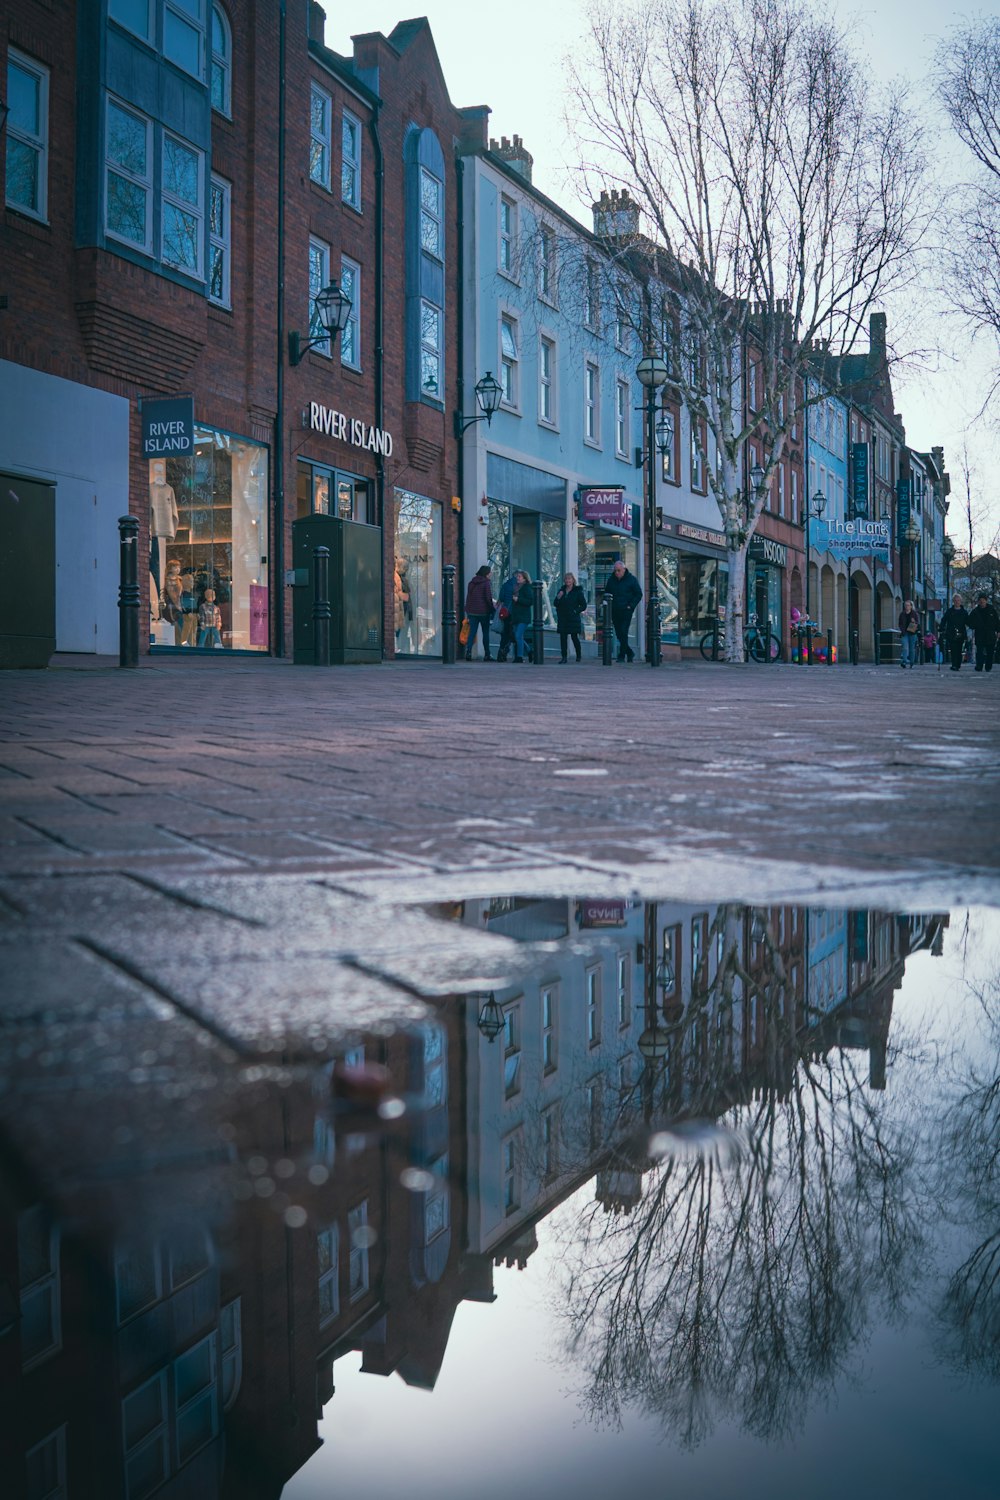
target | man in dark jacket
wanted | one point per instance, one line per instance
(623, 587)
(985, 629)
(952, 631)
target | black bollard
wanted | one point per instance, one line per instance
(829, 647)
(654, 646)
(128, 591)
(854, 648)
(607, 644)
(321, 607)
(449, 619)
(538, 626)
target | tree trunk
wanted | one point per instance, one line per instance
(736, 603)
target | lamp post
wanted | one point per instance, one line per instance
(948, 556)
(814, 510)
(912, 535)
(332, 309)
(652, 374)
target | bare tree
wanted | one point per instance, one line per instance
(785, 202)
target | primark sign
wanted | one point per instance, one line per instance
(857, 538)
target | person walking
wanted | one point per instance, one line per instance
(955, 625)
(479, 609)
(570, 603)
(521, 610)
(909, 631)
(504, 600)
(625, 593)
(985, 630)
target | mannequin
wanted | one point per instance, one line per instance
(154, 607)
(209, 621)
(162, 517)
(189, 610)
(170, 599)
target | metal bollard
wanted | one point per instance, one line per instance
(321, 606)
(809, 646)
(878, 648)
(128, 591)
(829, 647)
(538, 626)
(607, 644)
(449, 619)
(855, 652)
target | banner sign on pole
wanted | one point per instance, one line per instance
(859, 477)
(858, 538)
(903, 502)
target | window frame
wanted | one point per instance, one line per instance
(329, 1277)
(145, 183)
(548, 1009)
(547, 264)
(224, 61)
(435, 217)
(324, 347)
(509, 364)
(512, 1051)
(159, 1433)
(354, 320)
(321, 139)
(623, 400)
(623, 971)
(37, 144)
(510, 1172)
(594, 1000)
(149, 35)
(548, 391)
(56, 1439)
(352, 162)
(699, 465)
(427, 348)
(199, 25)
(592, 297)
(359, 1255)
(209, 1389)
(591, 403)
(223, 242)
(507, 238)
(182, 205)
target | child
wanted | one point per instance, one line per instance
(209, 621)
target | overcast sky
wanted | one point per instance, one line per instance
(510, 56)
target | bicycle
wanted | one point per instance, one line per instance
(758, 644)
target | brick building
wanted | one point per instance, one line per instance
(181, 181)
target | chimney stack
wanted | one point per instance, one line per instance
(876, 334)
(616, 215)
(317, 23)
(514, 154)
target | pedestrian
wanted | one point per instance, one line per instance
(479, 609)
(985, 630)
(521, 609)
(570, 603)
(952, 631)
(504, 599)
(625, 593)
(909, 630)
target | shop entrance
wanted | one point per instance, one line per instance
(521, 539)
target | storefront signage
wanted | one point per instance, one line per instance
(859, 477)
(349, 429)
(858, 538)
(601, 913)
(701, 534)
(607, 507)
(903, 502)
(168, 427)
(763, 549)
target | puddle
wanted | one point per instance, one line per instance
(630, 1186)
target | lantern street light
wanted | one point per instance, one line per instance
(488, 397)
(652, 373)
(491, 1021)
(948, 555)
(331, 311)
(815, 509)
(912, 537)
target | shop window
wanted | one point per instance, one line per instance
(320, 113)
(417, 579)
(350, 161)
(27, 135)
(361, 1240)
(135, 15)
(45, 1468)
(551, 568)
(182, 224)
(547, 381)
(128, 177)
(508, 361)
(350, 337)
(220, 241)
(208, 545)
(431, 222)
(666, 573)
(498, 540)
(431, 344)
(39, 1286)
(222, 62)
(184, 35)
(591, 403)
(328, 1257)
(701, 591)
(621, 418)
(508, 235)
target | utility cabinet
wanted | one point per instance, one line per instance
(27, 572)
(355, 589)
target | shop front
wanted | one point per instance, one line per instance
(525, 513)
(208, 533)
(607, 532)
(417, 574)
(767, 561)
(693, 582)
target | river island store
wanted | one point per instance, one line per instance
(693, 581)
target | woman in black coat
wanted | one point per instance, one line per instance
(570, 603)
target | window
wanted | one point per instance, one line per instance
(196, 1417)
(550, 1142)
(592, 313)
(593, 1007)
(591, 404)
(697, 459)
(129, 176)
(361, 1240)
(320, 114)
(45, 1468)
(550, 1036)
(508, 361)
(511, 1051)
(437, 1202)
(510, 1159)
(794, 512)
(135, 15)
(508, 235)
(699, 950)
(621, 418)
(669, 458)
(222, 69)
(624, 976)
(144, 1432)
(182, 229)
(138, 1283)
(187, 1257)
(595, 1113)
(27, 135)
(231, 1346)
(350, 337)
(431, 237)
(350, 165)
(319, 277)
(781, 489)
(328, 1253)
(546, 381)
(38, 1285)
(219, 244)
(184, 34)
(671, 972)
(547, 264)
(431, 323)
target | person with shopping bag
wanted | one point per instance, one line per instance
(479, 609)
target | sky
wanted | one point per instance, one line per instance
(510, 57)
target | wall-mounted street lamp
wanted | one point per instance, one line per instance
(948, 555)
(491, 1018)
(652, 373)
(756, 478)
(488, 398)
(815, 508)
(332, 310)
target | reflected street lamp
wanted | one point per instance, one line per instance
(491, 1018)
(652, 374)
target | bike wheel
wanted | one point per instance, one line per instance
(755, 645)
(708, 645)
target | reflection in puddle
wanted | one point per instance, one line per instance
(725, 1130)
